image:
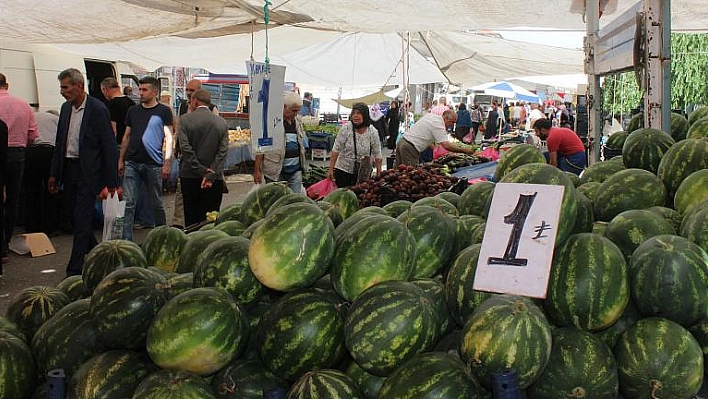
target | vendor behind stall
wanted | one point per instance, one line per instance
(565, 149)
(429, 129)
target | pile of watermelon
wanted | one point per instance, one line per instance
(331, 300)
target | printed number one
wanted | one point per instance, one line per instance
(263, 96)
(517, 219)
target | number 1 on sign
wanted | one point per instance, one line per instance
(517, 218)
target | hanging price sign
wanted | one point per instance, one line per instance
(519, 237)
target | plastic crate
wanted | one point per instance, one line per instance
(319, 153)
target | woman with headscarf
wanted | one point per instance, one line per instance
(393, 117)
(357, 138)
(464, 122)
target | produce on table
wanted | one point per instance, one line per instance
(239, 135)
(454, 161)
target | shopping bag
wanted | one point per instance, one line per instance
(363, 168)
(320, 189)
(489, 153)
(439, 151)
(113, 215)
(469, 138)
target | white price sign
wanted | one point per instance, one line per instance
(517, 249)
(266, 84)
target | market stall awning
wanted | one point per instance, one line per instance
(373, 98)
(507, 90)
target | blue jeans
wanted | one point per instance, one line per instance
(151, 175)
(573, 163)
(293, 180)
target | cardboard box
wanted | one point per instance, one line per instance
(38, 244)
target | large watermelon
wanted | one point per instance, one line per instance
(325, 384)
(435, 291)
(474, 199)
(231, 227)
(231, 212)
(245, 379)
(671, 215)
(124, 304)
(356, 218)
(589, 189)
(180, 283)
(162, 247)
(630, 229)
(450, 197)
(112, 374)
(461, 299)
(588, 287)
(396, 208)
(500, 326)
(108, 257)
(388, 324)
(586, 217)
(541, 173)
(33, 306)
(369, 384)
(301, 332)
(66, 341)
(438, 203)
(681, 160)
(669, 278)
(17, 372)
(695, 225)
(611, 334)
(292, 248)
(259, 200)
(465, 228)
(200, 330)
(699, 129)
(679, 126)
(197, 242)
(224, 264)
(628, 189)
(433, 375)
(73, 287)
(180, 384)
(616, 140)
(697, 114)
(518, 155)
(637, 122)
(645, 147)
(434, 234)
(600, 171)
(332, 212)
(11, 328)
(287, 199)
(657, 358)
(692, 191)
(580, 366)
(345, 199)
(374, 250)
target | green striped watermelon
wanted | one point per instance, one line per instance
(628, 189)
(292, 248)
(695, 225)
(356, 218)
(200, 331)
(42, 392)
(465, 228)
(600, 171)
(434, 375)
(180, 283)
(231, 227)
(589, 189)
(259, 200)
(474, 199)
(325, 384)
(588, 287)
(369, 384)
(611, 334)
(332, 212)
(197, 242)
(692, 191)
(580, 366)
(395, 208)
(679, 127)
(301, 332)
(541, 173)
(630, 229)
(671, 215)
(599, 227)
(388, 324)
(345, 199)
(657, 358)
(108, 257)
(206, 227)
(224, 264)
(245, 379)
(616, 140)
(435, 291)
(637, 122)
(461, 299)
(450, 197)
(7, 326)
(518, 155)
(507, 332)
(374, 250)
(575, 179)
(162, 247)
(645, 147)
(17, 373)
(124, 304)
(438, 203)
(248, 233)
(434, 233)
(230, 212)
(586, 217)
(450, 343)
(33, 306)
(68, 340)
(73, 287)
(287, 199)
(700, 333)
(682, 159)
(168, 384)
(699, 129)
(112, 374)
(669, 278)
(697, 114)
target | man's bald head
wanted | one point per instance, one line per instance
(192, 86)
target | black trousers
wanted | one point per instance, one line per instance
(79, 200)
(199, 201)
(41, 207)
(13, 187)
(344, 179)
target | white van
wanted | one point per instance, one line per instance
(32, 70)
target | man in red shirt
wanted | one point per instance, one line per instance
(565, 150)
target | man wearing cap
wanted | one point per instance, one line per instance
(428, 130)
(565, 149)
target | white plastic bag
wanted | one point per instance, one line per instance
(113, 214)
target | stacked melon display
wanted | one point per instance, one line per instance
(330, 301)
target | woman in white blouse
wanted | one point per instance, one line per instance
(343, 156)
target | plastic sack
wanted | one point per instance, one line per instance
(113, 215)
(469, 138)
(489, 153)
(439, 151)
(320, 189)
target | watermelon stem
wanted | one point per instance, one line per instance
(655, 385)
(227, 387)
(520, 307)
(578, 392)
